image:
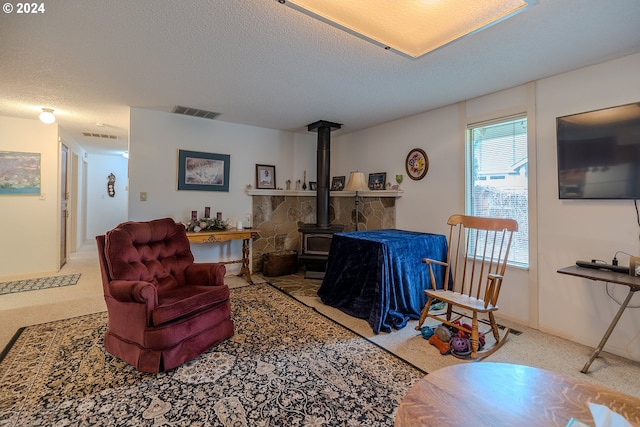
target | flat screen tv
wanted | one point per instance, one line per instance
(599, 154)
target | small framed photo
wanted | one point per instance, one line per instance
(377, 181)
(337, 183)
(203, 171)
(266, 177)
(313, 185)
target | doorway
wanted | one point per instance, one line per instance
(64, 199)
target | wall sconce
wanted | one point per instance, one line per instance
(47, 116)
(357, 182)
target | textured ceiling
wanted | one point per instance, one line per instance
(263, 64)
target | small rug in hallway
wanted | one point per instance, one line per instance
(38, 283)
(286, 365)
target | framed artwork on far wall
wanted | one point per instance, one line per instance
(377, 181)
(19, 172)
(203, 171)
(266, 177)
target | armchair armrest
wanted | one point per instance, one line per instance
(206, 273)
(492, 291)
(429, 262)
(134, 291)
(434, 261)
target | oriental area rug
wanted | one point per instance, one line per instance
(287, 365)
(38, 283)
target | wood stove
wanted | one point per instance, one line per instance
(316, 238)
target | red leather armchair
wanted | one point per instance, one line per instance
(163, 308)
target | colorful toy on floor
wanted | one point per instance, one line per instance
(444, 333)
(452, 339)
(443, 346)
(460, 345)
(427, 332)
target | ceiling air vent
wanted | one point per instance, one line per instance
(195, 112)
(99, 135)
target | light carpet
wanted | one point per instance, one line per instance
(531, 347)
(38, 283)
(286, 365)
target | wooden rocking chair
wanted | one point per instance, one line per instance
(476, 262)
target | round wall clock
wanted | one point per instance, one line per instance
(417, 164)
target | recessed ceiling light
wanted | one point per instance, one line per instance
(412, 28)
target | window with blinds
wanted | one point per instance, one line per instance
(497, 177)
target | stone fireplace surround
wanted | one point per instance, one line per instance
(278, 214)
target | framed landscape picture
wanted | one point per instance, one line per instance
(266, 177)
(203, 171)
(19, 173)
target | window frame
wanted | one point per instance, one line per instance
(469, 178)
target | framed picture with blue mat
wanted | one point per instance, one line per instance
(203, 171)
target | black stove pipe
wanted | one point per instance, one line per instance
(323, 159)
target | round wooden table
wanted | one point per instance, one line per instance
(502, 394)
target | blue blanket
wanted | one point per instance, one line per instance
(378, 275)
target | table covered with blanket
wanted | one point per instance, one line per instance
(378, 275)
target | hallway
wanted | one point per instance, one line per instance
(33, 307)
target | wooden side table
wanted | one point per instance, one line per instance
(500, 394)
(224, 236)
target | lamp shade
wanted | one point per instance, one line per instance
(357, 182)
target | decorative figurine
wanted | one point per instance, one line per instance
(399, 178)
(111, 185)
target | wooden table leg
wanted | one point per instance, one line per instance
(245, 269)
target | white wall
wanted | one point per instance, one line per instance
(425, 204)
(563, 231)
(156, 137)
(104, 212)
(572, 229)
(29, 224)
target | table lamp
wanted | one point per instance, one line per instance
(357, 182)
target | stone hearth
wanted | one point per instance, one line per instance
(278, 218)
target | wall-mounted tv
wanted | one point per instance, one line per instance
(599, 154)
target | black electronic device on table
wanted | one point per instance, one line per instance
(603, 266)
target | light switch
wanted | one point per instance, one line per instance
(143, 196)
